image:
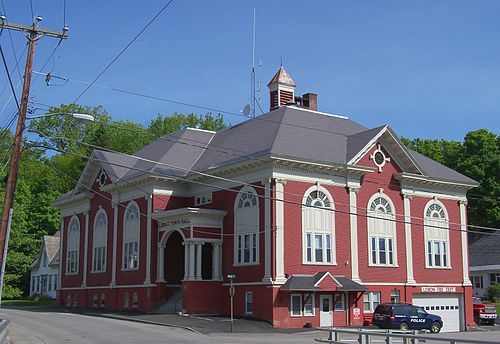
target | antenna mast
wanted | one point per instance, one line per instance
(253, 67)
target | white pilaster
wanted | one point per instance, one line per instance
(267, 232)
(280, 235)
(160, 274)
(198, 261)
(86, 249)
(465, 252)
(353, 224)
(408, 242)
(62, 253)
(186, 260)
(191, 249)
(115, 240)
(147, 280)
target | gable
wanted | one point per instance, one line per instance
(382, 139)
(327, 283)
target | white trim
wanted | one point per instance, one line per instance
(392, 235)
(313, 300)
(241, 283)
(267, 232)
(246, 303)
(465, 252)
(405, 176)
(241, 229)
(433, 239)
(101, 210)
(109, 287)
(86, 249)
(291, 306)
(484, 267)
(317, 112)
(353, 229)
(129, 205)
(202, 130)
(416, 284)
(280, 235)
(115, 243)
(322, 278)
(147, 279)
(427, 192)
(68, 273)
(408, 240)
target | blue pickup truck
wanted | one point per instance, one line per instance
(405, 316)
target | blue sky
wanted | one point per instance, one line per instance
(430, 69)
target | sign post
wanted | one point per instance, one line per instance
(231, 294)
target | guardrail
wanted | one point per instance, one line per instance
(366, 336)
(4, 332)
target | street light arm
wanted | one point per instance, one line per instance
(80, 116)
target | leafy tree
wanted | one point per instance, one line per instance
(165, 125)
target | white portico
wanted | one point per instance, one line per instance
(189, 244)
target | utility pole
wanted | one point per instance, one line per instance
(33, 33)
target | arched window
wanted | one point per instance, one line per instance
(381, 231)
(436, 235)
(99, 241)
(246, 227)
(73, 246)
(131, 232)
(318, 227)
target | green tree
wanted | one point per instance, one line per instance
(165, 125)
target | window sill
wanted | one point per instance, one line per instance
(438, 267)
(296, 316)
(98, 272)
(71, 273)
(246, 264)
(313, 263)
(371, 265)
(129, 269)
(309, 315)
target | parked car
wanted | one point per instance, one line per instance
(405, 316)
(484, 312)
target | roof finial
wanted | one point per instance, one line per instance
(281, 61)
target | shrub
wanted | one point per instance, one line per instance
(494, 292)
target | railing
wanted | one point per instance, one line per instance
(4, 332)
(176, 301)
(366, 336)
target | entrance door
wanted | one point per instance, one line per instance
(325, 311)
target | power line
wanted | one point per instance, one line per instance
(271, 198)
(124, 49)
(15, 67)
(8, 75)
(32, 12)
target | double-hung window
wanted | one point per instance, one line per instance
(73, 246)
(100, 235)
(318, 228)
(246, 224)
(370, 301)
(436, 236)
(131, 232)
(248, 302)
(381, 232)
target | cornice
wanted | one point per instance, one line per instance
(425, 180)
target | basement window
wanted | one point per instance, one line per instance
(135, 300)
(203, 199)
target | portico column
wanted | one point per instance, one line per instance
(198, 261)
(62, 254)
(191, 249)
(216, 261)
(465, 253)
(147, 279)
(280, 235)
(186, 260)
(86, 249)
(409, 248)
(161, 264)
(353, 222)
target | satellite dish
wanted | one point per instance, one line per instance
(246, 110)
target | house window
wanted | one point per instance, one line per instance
(73, 246)
(381, 231)
(94, 300)
(296, 305)
(44, 284)
(203, 199)
(248, 302)
(50, 283)
(339, 302)
(309, 305)
(246, 223)
(477, 281)
(395, 296)
(33, 285)
(37, 284)
(436, 236)
(125, 300)
(55, 282)
(135, 300)
(370, 301)
(75, 300)
(99, 241)
(494, 278)
(68, 300)
(318, 227)
(131, 231)
(44, 259)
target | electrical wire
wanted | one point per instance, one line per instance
(124, 49)
(15, 67)
(164, 175)
(32, 12)
(8, 75)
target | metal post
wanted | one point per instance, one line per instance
(231, 293)
(4, 258)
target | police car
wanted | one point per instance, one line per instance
(405, 316)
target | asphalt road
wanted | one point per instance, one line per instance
(30, 326)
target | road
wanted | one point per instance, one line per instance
(56, 326)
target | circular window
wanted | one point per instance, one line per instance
(102, 179)
(379, 158)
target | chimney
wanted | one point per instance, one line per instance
(310, 101)
(281, 88)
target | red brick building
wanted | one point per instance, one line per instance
(319, 218)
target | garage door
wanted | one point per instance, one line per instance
(448, 307)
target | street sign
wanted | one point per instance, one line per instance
(231, 291)
(231, 276)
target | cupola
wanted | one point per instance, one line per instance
(281, 88)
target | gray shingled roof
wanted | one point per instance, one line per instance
(307, 282)
(485, 251)
(51, 245)
(288, 132)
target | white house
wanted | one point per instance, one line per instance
(484, 264)
(45, 269)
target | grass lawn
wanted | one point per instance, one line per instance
(41, 302)
(497, 305)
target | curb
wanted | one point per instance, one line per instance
(118, 317)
